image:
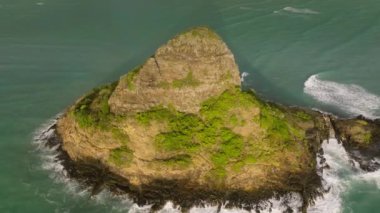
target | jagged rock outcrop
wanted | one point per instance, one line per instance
(189, 69)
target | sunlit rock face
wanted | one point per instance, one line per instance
(189, 69)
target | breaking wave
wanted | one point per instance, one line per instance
(50, 159)
(298, 10)
(292, 201)
(351, 98)
(369, 177)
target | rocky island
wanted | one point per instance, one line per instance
(180, 128)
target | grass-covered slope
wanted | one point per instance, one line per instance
(233, 130)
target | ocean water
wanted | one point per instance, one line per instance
(317, 54)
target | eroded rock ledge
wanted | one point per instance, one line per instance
(179, 128)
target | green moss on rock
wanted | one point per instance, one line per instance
(179, 161)
(209, 130)
(128, 79)
(121, 156)
(93, 109)
(188, 81)
(303, 116)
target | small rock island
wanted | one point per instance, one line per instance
(180, 128)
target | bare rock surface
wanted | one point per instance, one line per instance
(190, 68)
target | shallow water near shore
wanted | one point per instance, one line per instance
(308, 53)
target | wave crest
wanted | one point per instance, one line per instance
(351, 98)
(300, 10)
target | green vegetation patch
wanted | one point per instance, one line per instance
(216, 109)
(128, 79)
(246, 160)
(93, 109)
(188, 81)
(158, 113)
(208, 132)
(121, 156)
(119, 135)
(367, 138)
(273, 121)
(164, 85)
(303, 116)
(183, 134)
(189, 133)
(278, 129)
(202, 32)
(362, 122)
(230, 148)
(179, 161)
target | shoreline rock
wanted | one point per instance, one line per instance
(361, 139)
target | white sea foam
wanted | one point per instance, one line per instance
(348, 97)
(292, 200)
(243, 75)
(369, 177)
(299, 10)
(51, 162)
(338, 161)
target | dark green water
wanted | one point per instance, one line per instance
(52, 51)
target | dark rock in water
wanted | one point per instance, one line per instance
(369, 165)
(361, 139)
(322, 161)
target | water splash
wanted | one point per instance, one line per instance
(243, 76)
(337, 164)
(300, 10)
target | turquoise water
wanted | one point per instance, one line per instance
(52, 51)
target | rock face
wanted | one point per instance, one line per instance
(189, 69)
